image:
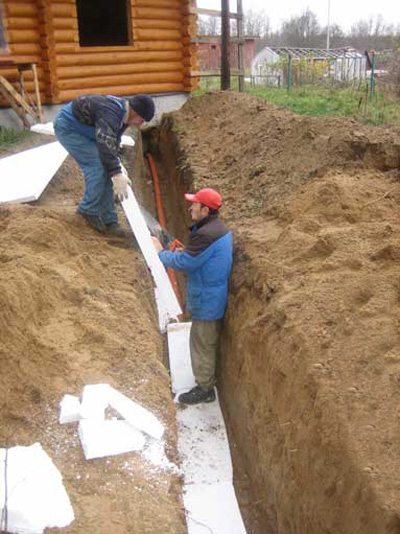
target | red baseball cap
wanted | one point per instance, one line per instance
(209, 197)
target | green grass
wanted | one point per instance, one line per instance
(9, 137)
(314, 100)
(343, 102)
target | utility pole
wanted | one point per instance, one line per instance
(328, 27)
(225, 38)
(239, 22)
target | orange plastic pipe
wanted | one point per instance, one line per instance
(162, 220)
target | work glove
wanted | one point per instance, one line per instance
(120, 184)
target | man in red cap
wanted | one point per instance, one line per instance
(207, 260)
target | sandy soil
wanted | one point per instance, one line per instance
(310, 369)
(77, 308)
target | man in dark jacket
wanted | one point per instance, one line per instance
(90, 128)
(207, 260)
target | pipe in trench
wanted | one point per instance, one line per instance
(162, 220)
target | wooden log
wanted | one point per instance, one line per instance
(20, 9)
(65, 23)
(75, 49)
(157, 35)
(139, 12)
(130, 79)
(22, 23)
(165, 4)
(19, 50)
(123, 90)
(117, 58)
(122, 70)
(63, 10)
(159, 23)
(22, 36)
(65, 36)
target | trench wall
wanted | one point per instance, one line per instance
(295, 446)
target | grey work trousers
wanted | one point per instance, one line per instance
(204, 347)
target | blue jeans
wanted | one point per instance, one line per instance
(98, 198)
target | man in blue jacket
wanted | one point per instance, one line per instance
(90, 128)
(207, 260)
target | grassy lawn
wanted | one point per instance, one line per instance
(345, 102)
(9, 137)
(378, 109)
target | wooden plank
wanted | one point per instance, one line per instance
(16, 96)
(14, 106)
(37, 93)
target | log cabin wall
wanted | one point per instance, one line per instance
(158, 59)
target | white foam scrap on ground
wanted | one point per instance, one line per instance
(94, 401)
(100, 437)
(24, 176)
(108, 438)
(155, 454)
(70, 409)
(48, 129)
(36, 497)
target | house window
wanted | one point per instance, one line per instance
(104, 23)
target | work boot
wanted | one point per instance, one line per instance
(114, 229)
(197, 395)
(94, 221)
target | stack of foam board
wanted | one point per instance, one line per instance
(209, 496)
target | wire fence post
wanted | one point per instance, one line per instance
(372, 73)
(289, 74)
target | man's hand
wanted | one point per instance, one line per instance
(120, 184)
(157, 245)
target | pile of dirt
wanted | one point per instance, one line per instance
(310, 370)
(76, 309)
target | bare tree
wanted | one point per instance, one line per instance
(302, 30)
(209, 25)
(256, 23)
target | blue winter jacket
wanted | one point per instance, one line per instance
(207, 260)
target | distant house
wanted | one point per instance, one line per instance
(209, 53)
(342, 64)
(117, 47)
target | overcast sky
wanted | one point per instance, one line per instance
(343, 12)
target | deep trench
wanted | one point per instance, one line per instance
(176, 179)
